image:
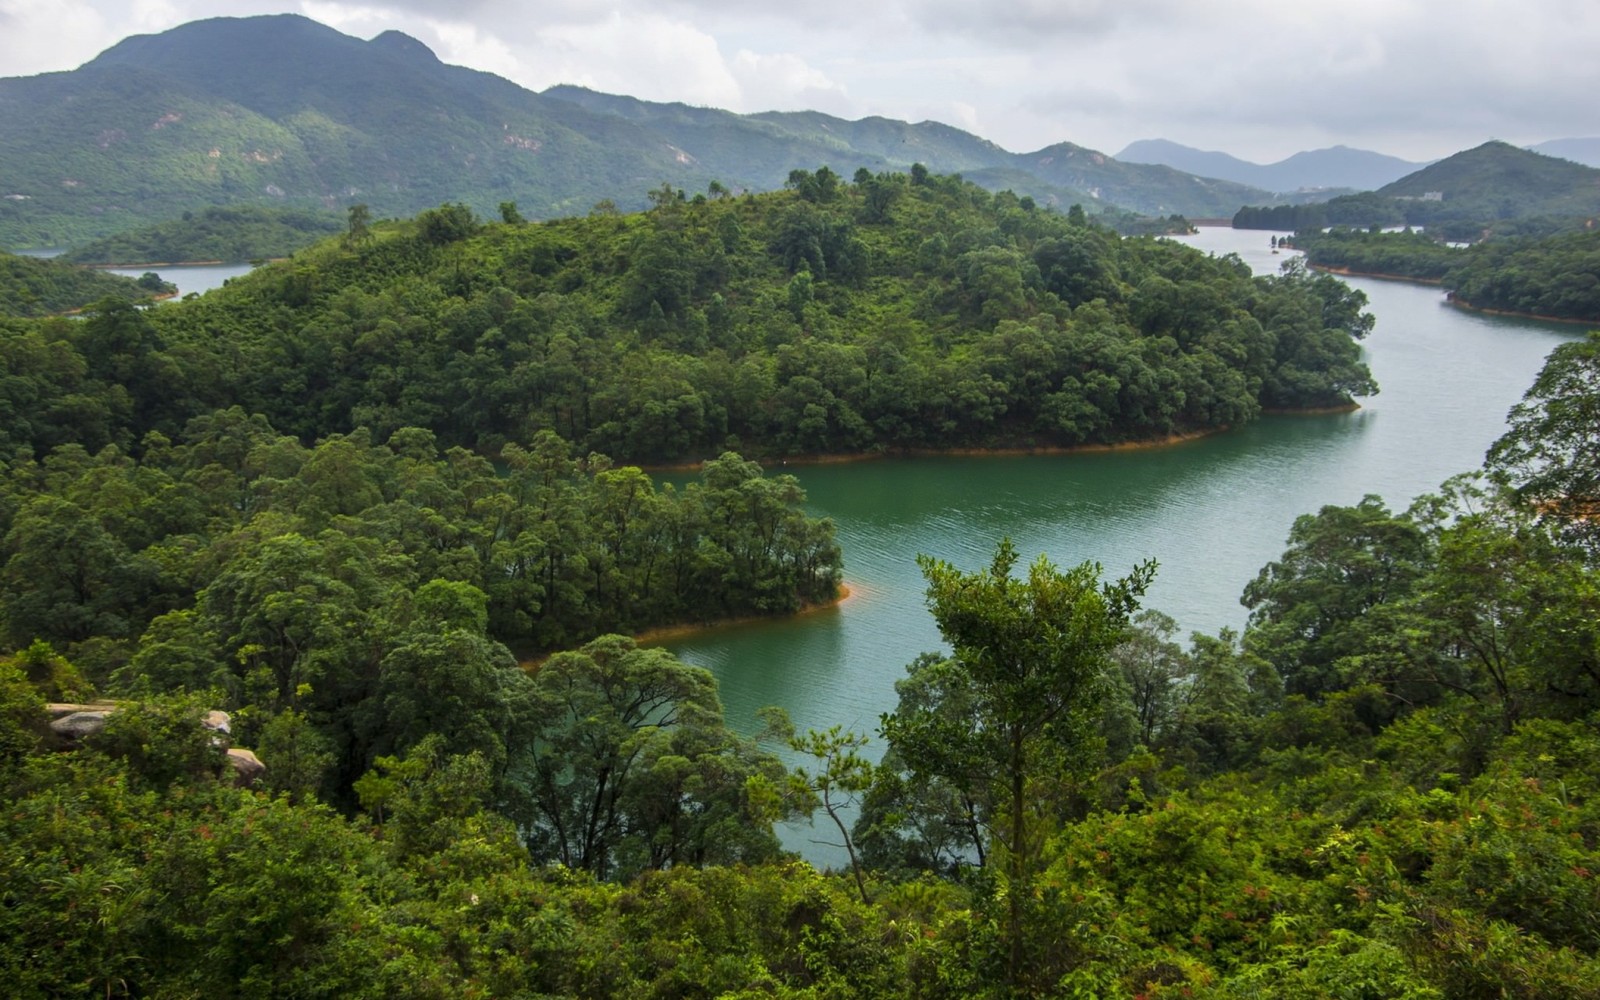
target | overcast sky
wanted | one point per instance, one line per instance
(1257, 78)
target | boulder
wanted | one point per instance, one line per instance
(76, 727)
(247, 767)
(220, 722)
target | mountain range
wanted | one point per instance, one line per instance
(1323, 170)
(1584, 151)
(282, 110)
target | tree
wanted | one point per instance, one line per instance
(1036, 651)
(1308, 609)
(357, 231)
(1551, 455)
(841, 777)
(632, 766)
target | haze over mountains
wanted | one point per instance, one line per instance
(1338, 167)
(283, 110)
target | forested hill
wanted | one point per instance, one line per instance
(280, 110)
(895, 312)
(1460, 196)
(229, 235)
(31, 286)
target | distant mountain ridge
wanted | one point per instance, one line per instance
(1332, 168)
(281, 110)
(1584, 151)
(1495, 187)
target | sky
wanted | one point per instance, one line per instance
(1260, 79)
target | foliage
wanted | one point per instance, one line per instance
(1558, 276)
(227, 234)
(774, 325)
(1548, 456)
(1033, 653)
(632, 767)
(35, 286)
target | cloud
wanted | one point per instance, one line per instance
(785, 82)
(36, 32)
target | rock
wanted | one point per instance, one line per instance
(79, 726)
(216, 721)
(62, 709)
(247, 767)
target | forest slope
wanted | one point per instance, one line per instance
(282, 111)
(895, 312)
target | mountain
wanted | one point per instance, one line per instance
(1335, 167)
(1584, 151)
(1501, 181)
(280, 110)
(1153, 190)
(1495, 187)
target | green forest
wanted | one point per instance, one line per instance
(34, 286)
(1495, 188)
(229, 235)
(894, 313)
(360, 501)
(1556, 277)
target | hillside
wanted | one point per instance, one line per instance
(231, 235)
(282, 111)
(1336, 167)
(31, 286)
(1459, 197)
(1584, 151)
(893, 313)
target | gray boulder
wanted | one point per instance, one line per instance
(76, 727)
(247, 767)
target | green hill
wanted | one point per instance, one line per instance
(282, 111)
(892, 313)
(1459, 197)
(231, 234)
(30, 286)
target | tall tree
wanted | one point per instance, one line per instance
(1551, 454)
(1036, 651)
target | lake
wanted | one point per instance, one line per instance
(1211, 511)
(190, 278)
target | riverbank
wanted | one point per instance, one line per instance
(1346, 272)
(667, 633)
(1466, 306)
(850, 458)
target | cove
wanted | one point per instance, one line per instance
(1212, 511)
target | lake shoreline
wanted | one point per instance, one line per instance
(665, 633)
(1466, 306)
(1346, 272)
(890, 454)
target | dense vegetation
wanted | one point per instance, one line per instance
(283, 112)
(229, 235)
(1405, 254)
(33, 286)
(894, 312)
(1387, 787)
(1557, 276)
(275, 500)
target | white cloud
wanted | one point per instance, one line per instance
(643, 56)
(785, 82)
(34, 35)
